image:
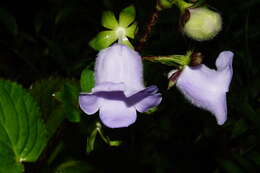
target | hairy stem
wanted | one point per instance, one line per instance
(147, 31)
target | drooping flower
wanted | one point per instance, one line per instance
(119, 90)
(117, 30)
(206, 88)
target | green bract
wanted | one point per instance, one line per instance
(172, 60)
(119, 30)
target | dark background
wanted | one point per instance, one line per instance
(49, 38)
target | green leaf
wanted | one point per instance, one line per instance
(127, 16)
(255, 157)
(109, 20)
(230, 166)
(131, 30)
(87, 80)
(75, 167)
(240, 127)
(53, 109)
(103, 40)
(9, 21)
(68, 95)
(22, 133)
(62, 14)
(245, 163)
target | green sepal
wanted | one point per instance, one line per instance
(171, 60)
(126, 42)
(164, 4)
(198, 3)
(109, 20)
(131, 30)
(103, 40)
(127, 16)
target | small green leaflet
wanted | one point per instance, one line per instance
(87, 80)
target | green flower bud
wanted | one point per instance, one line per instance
(203, 23)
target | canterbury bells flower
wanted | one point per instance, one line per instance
(119, 90)
(206, 88)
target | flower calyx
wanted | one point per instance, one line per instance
(118, 30)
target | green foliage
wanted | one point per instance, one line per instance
(8, 21)
(87, 80)
(97, 129)
(68, 95)
(58, 99)
(23, 134)
(74, 167)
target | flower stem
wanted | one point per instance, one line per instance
(147, 31)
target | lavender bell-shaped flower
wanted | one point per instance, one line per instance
(119, 90)
(206, 88)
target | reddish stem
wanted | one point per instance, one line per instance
(148, 29)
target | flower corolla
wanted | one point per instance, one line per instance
(206, 88)
(119, 89)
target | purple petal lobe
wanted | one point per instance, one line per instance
(148, 102)
(88, 103)
(116, 114)
(224, 60)
(145, 99)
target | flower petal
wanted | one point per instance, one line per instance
(88, 103)
(103, 40)
(127, 16)
(219, 109)
(116, 114)
(205, 88)
(109, 86)
(224, 60)
(148, 102)
(120, 64)
(224, 66)
(109, 20)
(145, 99)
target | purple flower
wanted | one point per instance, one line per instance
(119, 90)
(206, 88)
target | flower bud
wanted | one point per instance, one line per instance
(203, 23)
